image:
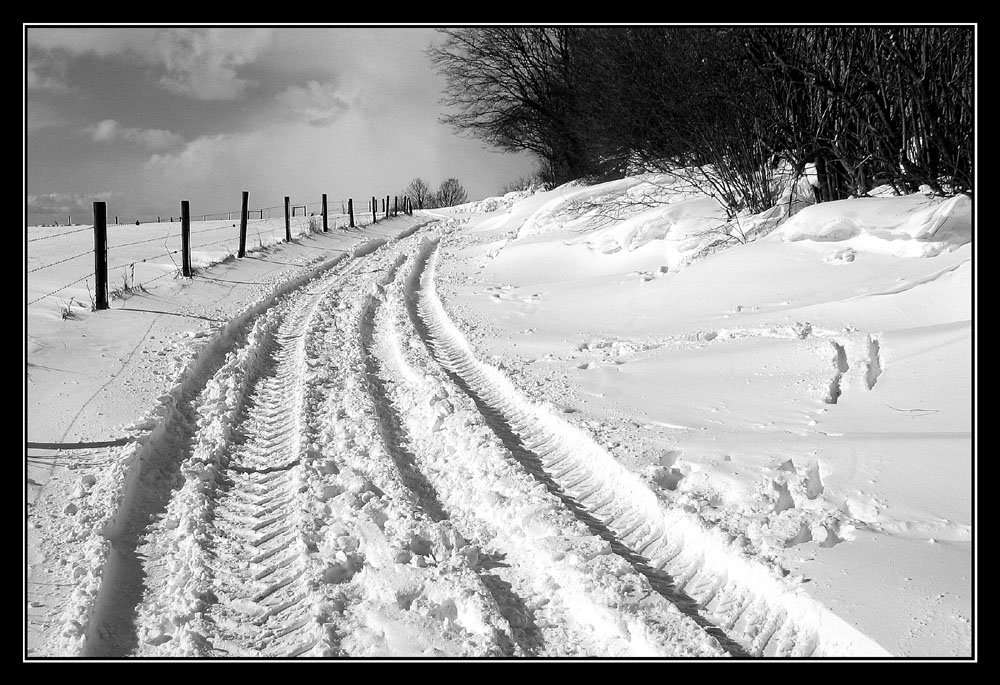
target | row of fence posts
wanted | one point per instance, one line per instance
(101, 235)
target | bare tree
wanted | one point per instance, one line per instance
(522, 183)
(420, 193)
(451, 193)
(513, 87)
(872, 105)
(859, 106)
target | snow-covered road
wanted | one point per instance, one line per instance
(342, 475)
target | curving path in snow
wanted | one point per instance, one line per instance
(341, 476)
(752, 612)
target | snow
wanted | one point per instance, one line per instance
(591, 421)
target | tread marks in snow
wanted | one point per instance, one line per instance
(751, 612)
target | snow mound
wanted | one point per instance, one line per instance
(904, 226)
(665, 211)
(493, 204)
(683, 225)
(583, 208)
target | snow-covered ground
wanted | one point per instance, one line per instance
(571, 423)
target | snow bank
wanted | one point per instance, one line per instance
(906, 226)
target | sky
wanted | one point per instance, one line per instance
(144, 116)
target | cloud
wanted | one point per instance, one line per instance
(203, 63)
(80, 40)
(212, 160)
(41, 116)
(37, 80)
(110, 130)
(319, 104)
(64, 203)
(45, 72)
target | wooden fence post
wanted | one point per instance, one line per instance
(350, 211)
(395, 205)
(386, 206)
(185, 239)
(374, 210)
(325, 228)
(243, 226)
(288, 222)
(101, 254)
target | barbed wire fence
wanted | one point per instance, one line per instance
(266, 225)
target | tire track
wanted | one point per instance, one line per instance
(341, 477)
(409, 543)
(238, 528)
(166, 477)
(263, 570)
(741, 602)
(559, 586)
(270, 518)
(389, 421)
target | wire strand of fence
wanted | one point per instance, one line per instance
(59, 235)
(265, 226)
(61, 261)
(136, 242)
(57, 290)
(263, 214)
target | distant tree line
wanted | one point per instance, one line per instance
(862, 105)
(422, 196)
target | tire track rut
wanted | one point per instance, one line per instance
(342, 477)
(741, 603)
(559, 586)
(273, 518)
(238, 529)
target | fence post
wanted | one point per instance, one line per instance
(243, 225)
(374, 210)
(386, 206)
(325, 228)
(288, 223)
(395, 205)
(350, 211)
(185, 239)
(101, 254)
